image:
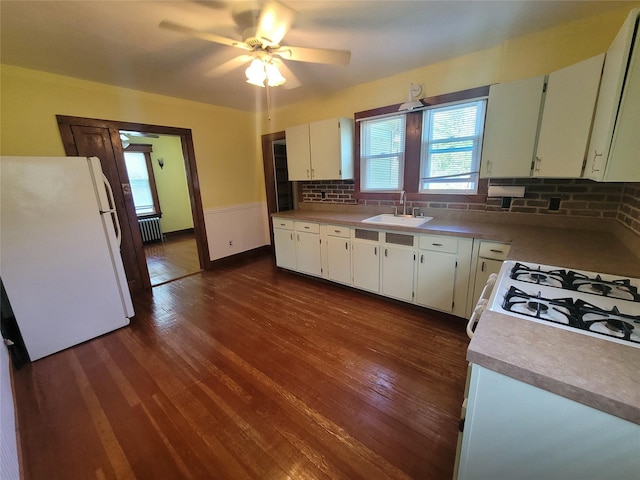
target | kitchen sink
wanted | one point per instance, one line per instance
(398, 220)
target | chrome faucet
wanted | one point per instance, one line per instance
(403, 197)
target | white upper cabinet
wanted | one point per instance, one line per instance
(298, 152)
(566, 119)
(617, 117)
(540, 126)
(511, 127)
(321, 150)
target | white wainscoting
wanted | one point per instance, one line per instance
(9, 469)
(246, 226)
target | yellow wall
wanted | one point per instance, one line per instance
(171, 181)
(227, 142)
(527, 56)
(229, 163)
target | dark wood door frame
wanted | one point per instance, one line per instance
(128, 217)
(270, 174)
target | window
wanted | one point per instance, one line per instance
(382, 153)
(433, 154)
(450, 149)
(143, 186)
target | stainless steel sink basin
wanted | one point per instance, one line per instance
(391, 219)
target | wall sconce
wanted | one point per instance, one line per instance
(412, 103)
(161, 162)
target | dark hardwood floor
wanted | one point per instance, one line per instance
(174, 258)
(249, 372)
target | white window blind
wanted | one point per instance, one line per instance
(451, 146)
(382, 153)
(140, 183)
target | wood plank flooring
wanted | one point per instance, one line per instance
(174, 258)
(250, 372)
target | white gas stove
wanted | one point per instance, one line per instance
(600, 305)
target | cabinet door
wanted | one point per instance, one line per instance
(566, 119)
(339, 259)
(624, 158)
(285, 248)
(615, 67)
(331, 145)
(436, 280)
(397, 272)
(511, 128)
(298, 152)
(366, 265)
(485, 268)
(308, 255)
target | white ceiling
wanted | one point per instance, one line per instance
(120, 43)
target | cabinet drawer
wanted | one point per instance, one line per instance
(306, 227)
(493, 250)
(283, 224)
(438, 243)
(336, 231)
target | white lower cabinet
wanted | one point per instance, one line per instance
(515, 430)
(285, 246)
(397, 270)
(308, 256)
(428, 270)
(365, 258)
(339, 259)
(436, 280)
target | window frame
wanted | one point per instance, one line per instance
(476, 150)
(146, 149)
(413, 140)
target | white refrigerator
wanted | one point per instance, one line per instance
(60, 257)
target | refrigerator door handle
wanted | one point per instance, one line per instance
(112, 211)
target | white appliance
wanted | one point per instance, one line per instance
(600, 305)
(60, 257)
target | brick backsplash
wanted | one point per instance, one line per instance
(578, 198)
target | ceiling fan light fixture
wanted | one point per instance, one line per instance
(274, 77)
(256, 73)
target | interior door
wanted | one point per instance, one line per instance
(88, 141)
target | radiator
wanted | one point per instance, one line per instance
(150, 230)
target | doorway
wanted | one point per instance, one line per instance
(157, 175)
(101, 138)
(281, 193)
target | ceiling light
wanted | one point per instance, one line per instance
(274, 77)
(412, 103)
(256, 74)
(261, 70)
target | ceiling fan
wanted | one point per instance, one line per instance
(262, 30)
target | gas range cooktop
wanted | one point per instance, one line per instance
(600, 305)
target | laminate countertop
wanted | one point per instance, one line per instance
(602, 374)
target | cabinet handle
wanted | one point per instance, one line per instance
(422, 258)
(482, 268)
(593, 165)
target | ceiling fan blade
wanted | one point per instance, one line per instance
(292, 80)
(211, 37)
(229, 65)
(275, 21)
(314, 55)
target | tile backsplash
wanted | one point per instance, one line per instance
(573, 198)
